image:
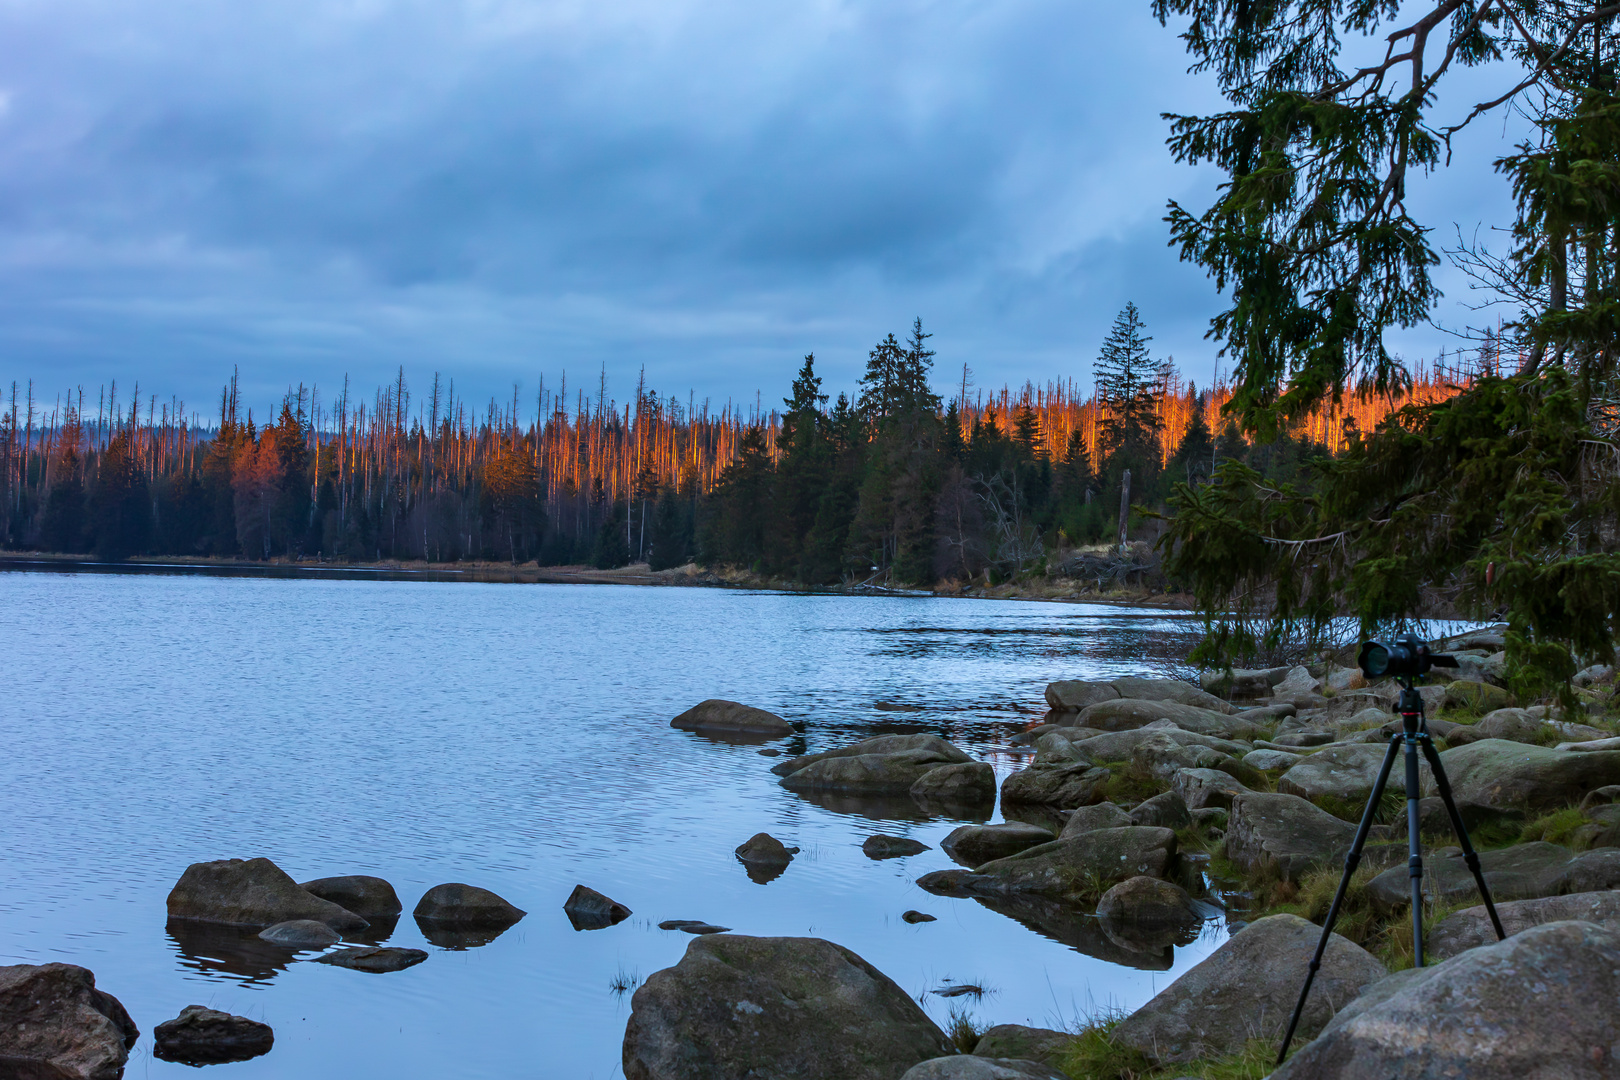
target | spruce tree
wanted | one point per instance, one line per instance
(1128, 389)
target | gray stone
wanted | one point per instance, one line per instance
(967, 782)
(892, 847)
(1297, 683)
(1471, 927)
(1504, 774)
(1283, 836)
(1521, 872)
(915, 917)
(1182, 693)
(1538, 1005)
(1585, 873)
(1345, 773)
(204, 1036)
(1057, 748)
(1119, 745)
(455, 904)
(367, 897)
(375, 959)
(1126, 714)
(1148, 900)
(975, 845)
(55, 1023)
(1072, 870)
(588, 909)
(300, 934)
(1024, 1043)
(766, 850)
(717, 714)
(1201, 788)
(1304, 739)
(1161, 758)
(1247, 989)
(774, 1009)
(1103, 815)
(1245, 683)
(1271, 760)
(1166, 810)
(1072, 695)
(251, 892)
(975, 1067)
(1062, 786)
(942, 751)
(872, 774)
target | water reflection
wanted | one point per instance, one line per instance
(1079, 930)
(459, 938)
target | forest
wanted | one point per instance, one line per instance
(886, 483)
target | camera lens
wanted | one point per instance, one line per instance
(1374, 659)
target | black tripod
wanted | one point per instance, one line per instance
(1414, 735)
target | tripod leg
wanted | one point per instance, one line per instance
(1470, 856)
(1414, 847)
(1351, 861)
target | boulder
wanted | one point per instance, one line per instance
(1471, 927)
(774, 1008)
(1161, 758)
(1166, 810)
(966, 782)
(204, 1036)
(1126, 714)
(1520, 872)
(251, 892)
(373, 958)
(1072, 695)
(1241, 682)
(1268, 760)
(978, 1067)
(1343, 679)
(1119, 745)
(456, 905)
(1475, 696)
(941, 750)
(717, 714)
(588, 909)
(1297, 683)
(1345, 773)
(1148, 901)
(1247, 989)
(1182, 693)
(1061, 786)
(1103, 815)
(765, 849)
(1024, 1043)
(1504, 774)
(1202, 788)
(892, 847)
(1069, 871)
(1283, 836)
(300, 934)
(367, 897)
(871, 774)
(1304, 739)
(975, 845)
(1057, 748)
(1540, 1004)
(55, 1023)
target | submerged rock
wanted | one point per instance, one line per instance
(892, 847)
(766, 850)
(300, 934)
(373, 958)
(368, 897)
(975, 845)
(775, 1007)
(53, 1021)
(251, 892)
(939, 748)
(456, 905)
(1540, 1004)
(204, 1036)
(588, 909)
(717, 714)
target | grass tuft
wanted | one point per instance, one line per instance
(964, 1028)
(1096, 1055)
(623, 982)
(1558, 827)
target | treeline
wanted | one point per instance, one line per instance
(888, 482)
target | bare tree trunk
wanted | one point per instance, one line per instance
(1124, 507)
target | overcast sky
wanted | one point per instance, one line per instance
(497, 189)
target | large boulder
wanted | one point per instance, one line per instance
(1344, 773)
(1161, 758)
(1182, 693)
(1103, 815)
(975, 845)
(367, 897)
(1283, 836)
(1126, 714)
(55, 1023)
(1471, 927)
(1072, 695)
(1070, 871)
(1502, 774)
(1166, 810)
(967, 782)
(717, 714)
(456, 905)
(1242, 683)
(251, 892)
(1204, 788)
(1521, 872)
(976, 1066)
(1247, 989)
(1064, 787)
(774, 1009)
(204, 1036)
(1540, 1004)
(882, 771)
(941, 749)
(1119, 745)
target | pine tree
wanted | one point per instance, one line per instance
(801, 474)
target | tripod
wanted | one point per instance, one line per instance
(1413, 736)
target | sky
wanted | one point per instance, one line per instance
(505, 190)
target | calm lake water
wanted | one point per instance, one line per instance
(515, 737)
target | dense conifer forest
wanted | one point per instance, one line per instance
(885, 482)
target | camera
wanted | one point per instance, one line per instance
(1405, 658)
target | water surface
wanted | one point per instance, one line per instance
(515, 737)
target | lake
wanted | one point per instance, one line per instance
(514, 737)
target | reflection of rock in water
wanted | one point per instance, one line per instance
(459, 937)
(974, 813)
(1077, 929)
(234, 951)
(381, 929)
(1150, 938)
(763, 873)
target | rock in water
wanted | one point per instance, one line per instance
(869, 774)
(203, 1036)
(1072, 695)
(1283, 835)
(300, 934)
(965, 782)
(977, 1067)
(588, 909)
(915, 917)
(891, 847)
(1247, 989)
(455, 904)
(975, 845)
(775, 1008)
(935, 747)
(1148, 901)
(251, 892)
(1540, 1004)
(373, 958)
(717, 714)
(766, 850)
(1069, 871)
(367, 897)
(55, 1022)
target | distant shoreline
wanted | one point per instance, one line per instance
(689, 576)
